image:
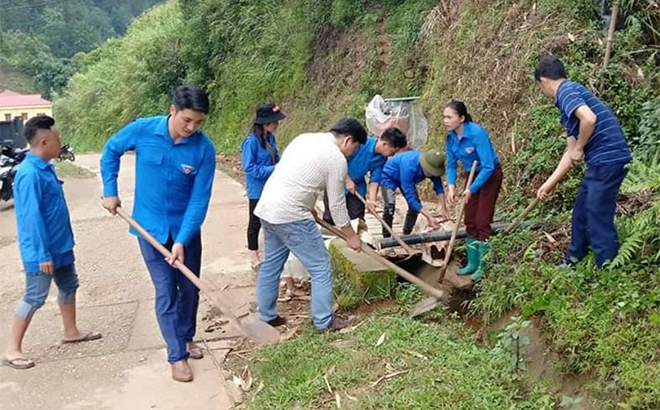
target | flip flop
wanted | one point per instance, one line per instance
(255, 267)
(86, 337)
(14, 363)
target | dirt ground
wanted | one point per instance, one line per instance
(127, 369)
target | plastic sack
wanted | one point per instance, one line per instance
(403, 113)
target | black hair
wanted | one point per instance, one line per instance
(460, 108)
(190, 97)
(395, 137)
(352, 127)
(34, 124)
(550, 67)
(259, 132)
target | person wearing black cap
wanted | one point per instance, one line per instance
(259, 157)
(311, 163)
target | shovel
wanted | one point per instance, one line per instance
(410, 251)
(255, 330)
(429, 303)
(461, 210)
(522, 216)
(436, 293)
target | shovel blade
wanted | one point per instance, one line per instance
(425, 305)
(258, 331)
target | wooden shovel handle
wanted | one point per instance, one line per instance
(437, 293)
(459, 217)
(180, 266)
(389, 229)
(522, 216)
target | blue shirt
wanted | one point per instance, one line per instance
(474, 145)
(257, 163)
(607, 144)
(363, 161)
(173, 182)
(44, 227)
(404, 171)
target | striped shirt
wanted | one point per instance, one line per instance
(310, 164)
(607, 144)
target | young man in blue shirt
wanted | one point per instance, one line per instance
(404, 171)
(45, 240)
(594, 135)
(369, 159)
(174, 172)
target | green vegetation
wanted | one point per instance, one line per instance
(66, 169)
(40, 39)
(416, 366)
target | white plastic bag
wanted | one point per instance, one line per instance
(403, 113)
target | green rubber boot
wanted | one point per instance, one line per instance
(482, 250)
(472, 257)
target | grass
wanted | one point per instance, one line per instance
(67, 169)
(603, 323)
(417, 366)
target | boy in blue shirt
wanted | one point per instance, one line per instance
(45, 240)
(404, 171)
(370, 158)
(174, 172)
(594, 135)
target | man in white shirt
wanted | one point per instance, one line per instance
(311, 164)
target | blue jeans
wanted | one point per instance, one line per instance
(304, 239)
(177, 299)
(37, 287)
(593, 214)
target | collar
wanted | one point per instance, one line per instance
(468, 131)
(37, 160)
(558, 87)
(163, 130)
(373, 141)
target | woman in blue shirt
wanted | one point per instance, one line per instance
(468, 142)
(259, 156)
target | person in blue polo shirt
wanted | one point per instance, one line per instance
(174, 172)
(404, 171)
(468, 142)
(45, 240)
(594, 135)
(259, 155)
(369, 159)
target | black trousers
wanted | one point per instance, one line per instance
(389, 199)
(254, 225)
(354, 206)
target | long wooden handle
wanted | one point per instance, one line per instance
(389, 229)
(522, 216)
(437, 293)
(226, 311)
(459, 217)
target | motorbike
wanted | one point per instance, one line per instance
(8, 168)
(66, 153)
(10, 159)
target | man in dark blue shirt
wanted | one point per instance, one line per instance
(595, 135)
(45, 240)
(174, 172)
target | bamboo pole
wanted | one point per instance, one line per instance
(610, 34)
